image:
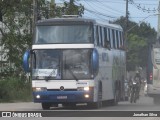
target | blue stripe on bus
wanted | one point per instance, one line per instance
(72, 96)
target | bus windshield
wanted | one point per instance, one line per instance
(61, 64)
(63, 34)
(157, 55)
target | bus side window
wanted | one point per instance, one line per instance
(123, 39)
(110, 37)
(101, 36)
(106, 39)
(97, 36)
(117, 39)
(120, 39)
(114, 39)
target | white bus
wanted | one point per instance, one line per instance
(153, 73)
(76, 60)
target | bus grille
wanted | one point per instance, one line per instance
(61, 90)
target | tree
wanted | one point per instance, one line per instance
(138, 40)
(72, 9)
(69, 8)
(16, 16)
(16, 30)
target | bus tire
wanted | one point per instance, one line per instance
(46, 106)
(116, 97)
(156, 100)
(95, 105)
(98, 104)
(69, 105)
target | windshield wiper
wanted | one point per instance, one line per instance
(47, 78)
(71, 72)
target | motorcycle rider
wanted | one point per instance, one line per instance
(137, 79)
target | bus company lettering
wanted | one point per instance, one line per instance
(82, 84)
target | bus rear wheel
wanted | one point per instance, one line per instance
(156, 100)
(46, 106)
(116, 98)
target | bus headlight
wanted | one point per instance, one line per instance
(86, 96)
(83, 88)
(86, 88)
(38, 96)
(36, 89)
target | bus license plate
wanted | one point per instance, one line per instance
(61, 97)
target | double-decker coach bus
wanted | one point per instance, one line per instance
(153, 73)
(76, 60)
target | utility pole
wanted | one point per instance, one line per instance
(158, 31)
(126, 14)
(52, 9)
(35, 14)
(126, 27)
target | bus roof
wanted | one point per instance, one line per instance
(76, 20)
(63, 20)
(107, 24)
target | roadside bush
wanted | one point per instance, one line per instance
(14, 90)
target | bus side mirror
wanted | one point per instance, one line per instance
(26, 65)
(95, 61)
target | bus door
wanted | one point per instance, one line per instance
(156, 67)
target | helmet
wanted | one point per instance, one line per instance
(137, 72)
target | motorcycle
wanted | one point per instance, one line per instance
(133, 92)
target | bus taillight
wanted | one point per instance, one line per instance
(151, 76)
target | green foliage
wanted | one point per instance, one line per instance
(136, 51)
(72, 9)
(17, 19)
(69, 8)
(138, 39)
(17, 32)
(14, 89)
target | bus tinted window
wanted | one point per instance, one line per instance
(110, 37)
(101, 38)
(63, 34)
(117, 39)
(157, 55)
(114, 40)
(97, 36)
(120, 37)
(105, 37)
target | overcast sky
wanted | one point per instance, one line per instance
(112, 9)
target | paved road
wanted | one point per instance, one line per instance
(143, 104)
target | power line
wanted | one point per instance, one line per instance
(94, 11)
(106, 6)
(144, 9)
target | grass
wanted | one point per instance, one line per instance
(15, 89)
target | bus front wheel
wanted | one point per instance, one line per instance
(46, 106)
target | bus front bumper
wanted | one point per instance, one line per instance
(63, 96)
